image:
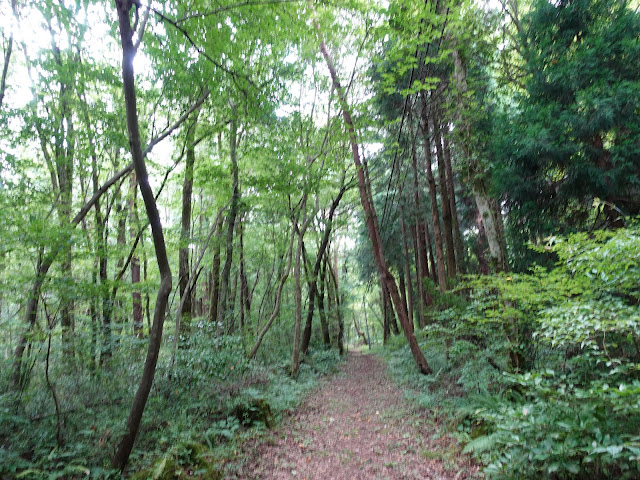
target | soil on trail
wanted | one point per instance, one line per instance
(355, 425)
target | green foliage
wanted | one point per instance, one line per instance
(540, 371)
(572, 136)
(213, 399)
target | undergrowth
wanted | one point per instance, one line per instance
(539, 374)
(196, 416)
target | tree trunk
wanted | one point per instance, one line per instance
(422, 265)
(433, 270)
(388, 311)
(295, 356)
(245, 295)
(231, 219)
(215, 283)
(155, 338)
(403, 284)
(326, 339)
(185, 229)
(455, 223)
(407, 270)
(435, 216)
(136, 296)
(276, 308)
(447, 223)
(359, 332)
(333, 284)
(370, 215)
(488, 208)
(420, 276)
(313, 282)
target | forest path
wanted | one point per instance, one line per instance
(355, 425)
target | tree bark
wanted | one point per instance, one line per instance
(326, 338)
(136, 296)
(422, 265)
(435, 216)
(488, 208)
(455, 223)
(333, 284)
(447, 223)
(407, 270)
(155, 338)
(370, 214)
(295, 355)
(215, 283)
(185, 229)
(231, 219)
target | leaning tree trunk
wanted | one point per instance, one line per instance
(155, 338)
(370, 215)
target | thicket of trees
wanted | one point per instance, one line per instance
(195, 197)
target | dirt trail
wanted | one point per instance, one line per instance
(356, 425)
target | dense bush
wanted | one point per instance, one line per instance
(541, 371)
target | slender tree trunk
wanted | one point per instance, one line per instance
(433, 269)
(447, 225)
(370, 215)
(155, 338)
(231, 220)
(295, 356)
(333, 283)
(390, 314)
(313, 282)
(422, 266)
(420, 277)
(64, 166)
(407, 270)
(483, 265)
(278, 301)
(136, 295)
(232, 305)
(5, 67)
(185, 228)
(245, 296)
(435, 216)
(403, 284)
(215, 283)
(455, 224)
(359, 332)
(386, 326)
(326, 338)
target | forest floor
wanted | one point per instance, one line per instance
(355, 425)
